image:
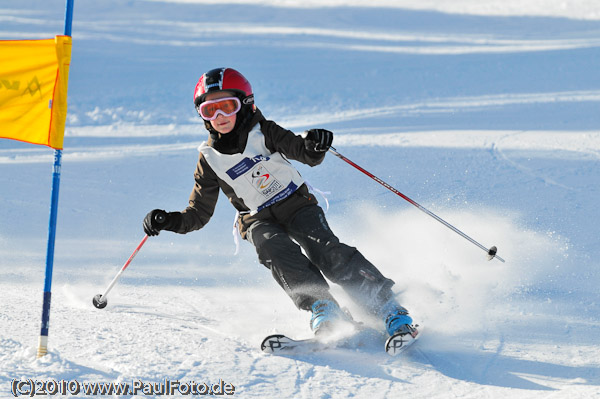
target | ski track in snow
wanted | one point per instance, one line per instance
(578, 144)
(486, 113)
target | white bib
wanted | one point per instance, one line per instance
(257, 176)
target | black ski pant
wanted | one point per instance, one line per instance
(279, 247)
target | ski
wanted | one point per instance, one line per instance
(399, 342)
(356, 337)
(280, 344)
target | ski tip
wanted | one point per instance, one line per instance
(273, 343)
(399, 342)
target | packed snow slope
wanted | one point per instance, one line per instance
(486, 113)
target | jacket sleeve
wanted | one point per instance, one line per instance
(278, 139)
(203, 198)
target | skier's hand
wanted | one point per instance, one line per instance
(317, 140)
(155, 221)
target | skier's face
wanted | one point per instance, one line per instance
(222, 124)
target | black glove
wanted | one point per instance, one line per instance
(317, 140)
(155, 221)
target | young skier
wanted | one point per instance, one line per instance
(246, 157)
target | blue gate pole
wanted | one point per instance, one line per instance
(43, 341)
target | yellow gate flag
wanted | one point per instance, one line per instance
(34, 78)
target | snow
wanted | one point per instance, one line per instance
(486, 113)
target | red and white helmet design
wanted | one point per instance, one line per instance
(220, 79)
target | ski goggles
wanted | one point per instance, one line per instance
(226, 106)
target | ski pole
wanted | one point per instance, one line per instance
(491, 251)
(100, 300)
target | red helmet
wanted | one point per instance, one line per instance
(220, 79)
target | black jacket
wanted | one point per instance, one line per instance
(203, 198)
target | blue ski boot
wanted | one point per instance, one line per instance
(396, 318)
(326, 316)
